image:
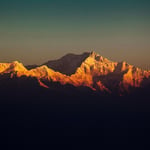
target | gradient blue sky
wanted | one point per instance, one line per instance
(34, 31)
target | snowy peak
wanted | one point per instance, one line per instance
(13, 67)
(88, 69)
(70, 63)
(17, 66)
(4, 66)
(42, 72)
(96, 64)
(39, 72)
(98, 57)
(47, 74)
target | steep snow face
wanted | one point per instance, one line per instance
(14, 68)
(4, 66)
(134, 77)
(100, 73)
(41, 72)
(46, 73)
(96, 65)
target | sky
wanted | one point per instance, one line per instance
(35, 31)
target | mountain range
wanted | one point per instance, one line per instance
(85, 70)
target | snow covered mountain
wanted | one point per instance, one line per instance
(88, 69)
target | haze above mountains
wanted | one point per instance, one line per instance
(87, 70)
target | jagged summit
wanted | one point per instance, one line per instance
(15, 66)
(40, 72)
(69, 63)
(93, 54)
(87, 69)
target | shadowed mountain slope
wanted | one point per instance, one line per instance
(68, 63)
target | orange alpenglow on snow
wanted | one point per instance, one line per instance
(88, 69)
